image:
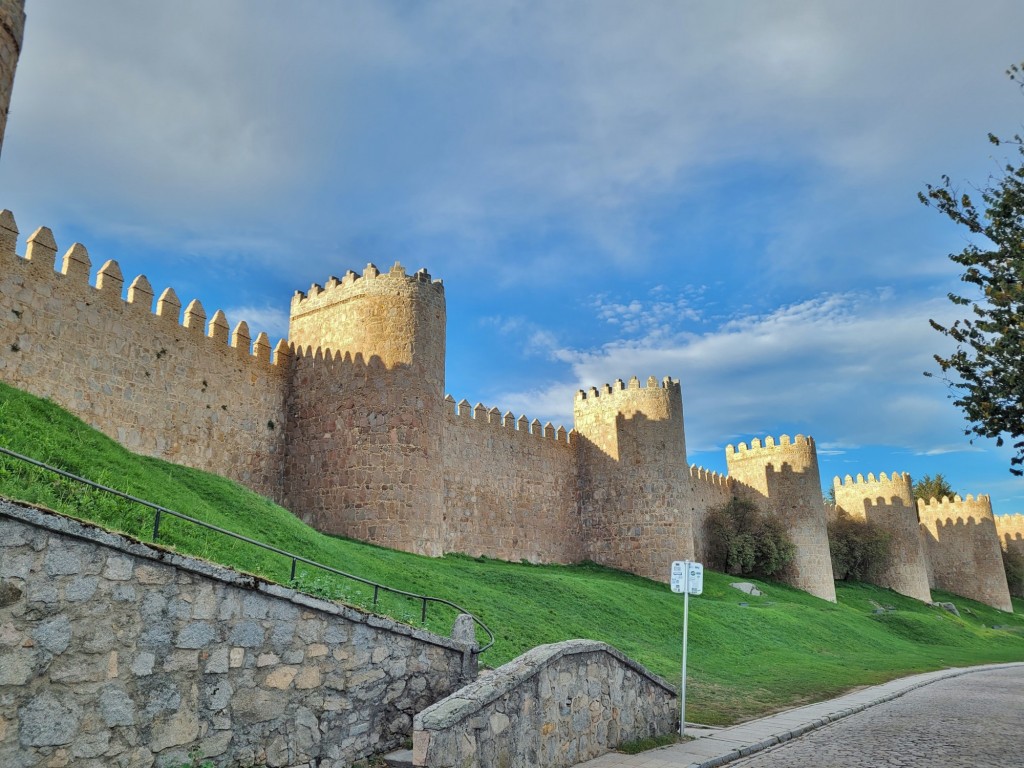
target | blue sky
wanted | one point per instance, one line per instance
(723, 192)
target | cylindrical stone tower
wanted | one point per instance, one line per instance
(888, 502)
(634, 478)
(783, 480)
(365, 413)
(963, 549)
(12, 30)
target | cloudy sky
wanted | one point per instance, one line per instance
(719, 191)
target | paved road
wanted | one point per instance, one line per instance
(973, 721)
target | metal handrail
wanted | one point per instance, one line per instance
(377, 588)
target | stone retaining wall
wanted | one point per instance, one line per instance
(556, 705)
(114, 653)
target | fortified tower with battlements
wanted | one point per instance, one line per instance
(783, 480)
(1011, 532)
(888, 502)
(12, 30)
(633, 476)
(963, 549)
(365, 408)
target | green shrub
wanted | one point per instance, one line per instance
(742, 540)
(1013, 564)
(859, 549)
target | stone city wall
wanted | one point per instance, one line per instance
(1011, 532)
(12, 30)
(888, 502)
(556, 705)
(509, 487)
(783, 480)
(192, 394)
(963, 549)
(708, 490)
(113, 653)
(633, 476)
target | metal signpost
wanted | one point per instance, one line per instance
(688, 578)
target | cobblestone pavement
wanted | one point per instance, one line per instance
(973, 721)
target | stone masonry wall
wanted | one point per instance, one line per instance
(709, 490)
(12, 30)
(154, 385)
(1011, 532)
(633, 476)
(509, 487)
(554, 706)
(366, 408)
(963, 549)
(783, 480)
(113, 653)
(889, 503)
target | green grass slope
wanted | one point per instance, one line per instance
(748, 655)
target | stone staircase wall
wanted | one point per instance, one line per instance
(115, 653)
(554, 706)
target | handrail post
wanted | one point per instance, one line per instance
(423, 615)
(156, 525)
(293, 570)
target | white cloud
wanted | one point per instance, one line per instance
(846, 368)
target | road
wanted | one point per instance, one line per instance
(972, 721)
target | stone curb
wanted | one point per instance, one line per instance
(781, 738)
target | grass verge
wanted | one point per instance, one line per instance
(748, 655)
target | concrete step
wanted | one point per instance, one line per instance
(400, 758)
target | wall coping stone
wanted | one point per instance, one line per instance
(47, 519)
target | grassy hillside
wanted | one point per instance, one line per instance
(747, 655)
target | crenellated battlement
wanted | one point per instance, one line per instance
(604, 394)
(372, 279)
(479, 414)
(710, 478)
(800, 442)
(75, 269)
(897, 478)
(956, 508)
(954, 501)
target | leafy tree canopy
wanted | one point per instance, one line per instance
(986, 371)
(929, 487)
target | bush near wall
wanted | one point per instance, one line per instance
(859, 549)
(741, 540)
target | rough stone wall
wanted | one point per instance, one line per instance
(509, 487)
(783, 480)
(1011, 532)
(634, 480)
(556, 705)
(116, 654)
(366, 409)
(12, 30)
(888, 502)
(152, 384)
(708, 491)
(963, 549)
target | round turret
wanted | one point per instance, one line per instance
(888, 502)
(12, 29)
(634, 479)
(366, 408)
(963, 549)
(783, 480)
